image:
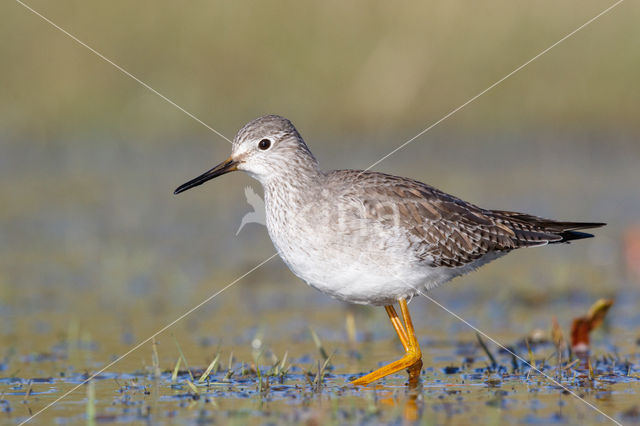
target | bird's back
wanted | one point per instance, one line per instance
(445, 230)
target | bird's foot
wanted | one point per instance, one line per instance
(412, 360)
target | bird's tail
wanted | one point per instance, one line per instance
(571, 231)
(537, 229)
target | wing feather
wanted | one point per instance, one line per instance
(445, 230)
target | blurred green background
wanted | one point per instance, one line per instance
(91, 234)
(360, 68)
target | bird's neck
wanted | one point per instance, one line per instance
(298, 172)
(294, 181)
(291, 190)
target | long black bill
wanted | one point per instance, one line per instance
(226, 166)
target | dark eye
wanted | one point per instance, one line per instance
(264, 144)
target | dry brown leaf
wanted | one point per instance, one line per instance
(582, 327)
(598, 311)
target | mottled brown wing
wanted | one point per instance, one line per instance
(446, 230)
(449, 231)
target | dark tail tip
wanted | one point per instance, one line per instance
(574, 235)
(571, 234)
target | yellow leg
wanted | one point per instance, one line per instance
(412, 358)
(414, 369)
(397, 324)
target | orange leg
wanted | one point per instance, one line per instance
(397, 324)
(412, 358)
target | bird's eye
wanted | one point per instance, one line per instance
(264, 144)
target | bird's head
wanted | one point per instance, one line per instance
(266, 148)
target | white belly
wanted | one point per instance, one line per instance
(357, 270)
(370, 283)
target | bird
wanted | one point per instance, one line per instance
(372, 238)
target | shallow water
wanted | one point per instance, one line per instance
(48, 354)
